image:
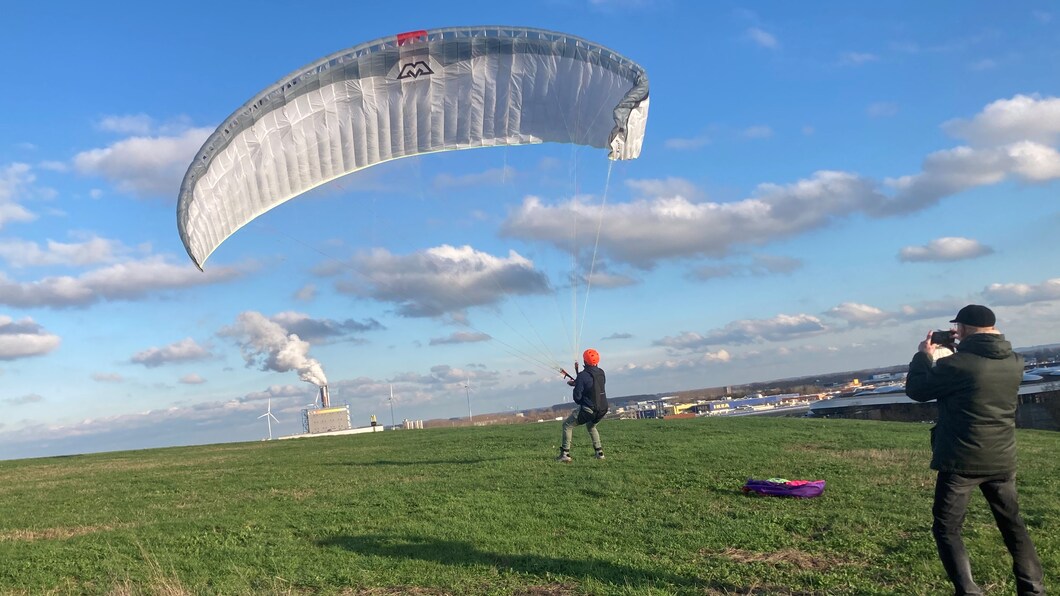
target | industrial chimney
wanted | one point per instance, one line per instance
(325, 401)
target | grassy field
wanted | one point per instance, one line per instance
(488, 511)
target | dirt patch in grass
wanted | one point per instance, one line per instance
(546, 590)
(763, 590)
(130, 465)
(551, 590)
(789, 557)
(55, 533)
(891, 467)
(165, 587)
(876, 456)
(396, 591)
(861, 455)
(160, 582)
(35, 474)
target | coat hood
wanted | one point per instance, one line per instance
(987, 345)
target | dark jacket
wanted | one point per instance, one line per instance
(590, 390)
(976, 389)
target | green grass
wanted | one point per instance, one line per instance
(488, 511)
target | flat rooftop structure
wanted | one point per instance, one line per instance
(350, 431)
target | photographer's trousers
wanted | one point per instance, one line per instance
(952, 492)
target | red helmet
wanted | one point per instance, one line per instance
(591, 357)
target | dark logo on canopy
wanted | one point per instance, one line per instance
(411, 70)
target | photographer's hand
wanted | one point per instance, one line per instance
(926, 346)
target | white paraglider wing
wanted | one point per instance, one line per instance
(404, 95)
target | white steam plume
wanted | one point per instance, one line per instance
(266, 344)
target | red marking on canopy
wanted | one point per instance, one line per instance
(403, 38)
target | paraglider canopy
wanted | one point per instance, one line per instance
(404, 95)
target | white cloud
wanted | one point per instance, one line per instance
(107, 378)
(306, 293)
(123, 281)
(693, 362)
(859, 314)
(442, 280)
(415, 388)
(603, 279)
(15, 180)
(282, 392)
(92, 251)
(443, 378)
(772, 264)
(23, 400)
(929, 309)
(24, 338)
(133, 124)
(1021, 118)
(1010, 138)
(762, 38)
(761, 265)
(779, 328)
(200, 423)
(708, 272)
(15, 185)
(949, 172)
(460, 337)
(671, 226)
(945, 249)
(146, 167)
(643, 232)
(1033, 162)
(1014, 293)
(317, 331)
(185, 350)
(192, 379)
(10, 212)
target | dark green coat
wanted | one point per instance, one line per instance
(976, 391)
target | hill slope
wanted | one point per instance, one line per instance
(487, 511)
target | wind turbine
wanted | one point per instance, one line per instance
(269, 418)
(392, 425)
(467, 388)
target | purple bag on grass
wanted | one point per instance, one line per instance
(779, 487)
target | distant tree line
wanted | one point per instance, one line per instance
(1041, 355)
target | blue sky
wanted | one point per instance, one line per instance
(819, 186)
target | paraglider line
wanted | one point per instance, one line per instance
(596, 245)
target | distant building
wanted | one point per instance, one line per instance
(322, 420)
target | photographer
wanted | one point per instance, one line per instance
(974, 443)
